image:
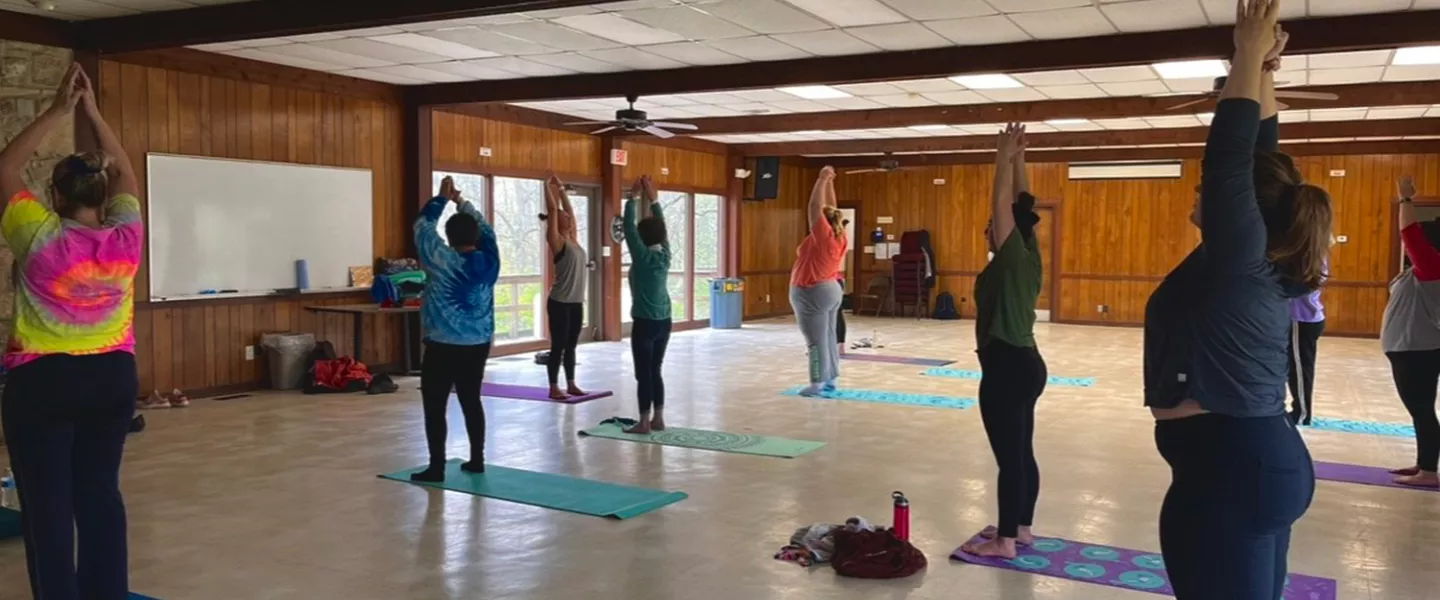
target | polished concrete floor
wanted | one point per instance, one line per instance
(275, 496)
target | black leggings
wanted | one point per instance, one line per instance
(461, 368)
(565, 319)
(1011, 382)
(648, 340)
(65, 422)
(1237, 486)
(1416, 373)
(1302, 400)
(840, 326)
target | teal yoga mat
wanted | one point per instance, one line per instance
(719, 441)
(880, 397)
(969, 374)
(1348, 426)
(546, 490)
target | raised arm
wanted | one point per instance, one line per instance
(434, 252)
(1268, 138)
(1424, 257)
(1002, 220)
(818, 196)
(554, 191)
(15, 155)
(121, 172)
(1022, 179)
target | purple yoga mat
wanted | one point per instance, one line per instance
(1363, 475)
(898, 360)
(526, 392)
(1119, 567)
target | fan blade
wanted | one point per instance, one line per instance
(577, 123)
(864, 171)
(1189, 104)
(680, 126)
(600, 131)
(658, 132)
(1306, 95)
(1281, 105)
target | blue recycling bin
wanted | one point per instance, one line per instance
(727, 302)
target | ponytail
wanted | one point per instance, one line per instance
(1300, 251)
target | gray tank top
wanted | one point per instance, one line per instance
(1412, 317)
(570, 270)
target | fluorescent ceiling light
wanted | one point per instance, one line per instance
(929, 127)
(614, 27)
(1066, 121)
(1190, 69)
(1419, 55)
(814, 92)
(994, 81)
(415, 41)
(850, 13)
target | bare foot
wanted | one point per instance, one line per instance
(1001, 547)
(1420, 479)
(1025, 537)
(575, 390)
(556, 393)
(657, 423)
(1405, 471)
(641, 428)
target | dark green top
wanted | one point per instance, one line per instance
(1005, 294)
(649, 267)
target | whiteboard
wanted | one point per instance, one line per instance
(219, 224)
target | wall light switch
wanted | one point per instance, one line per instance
(484, 151)
(605, 251)
(249, 353)
(664, 170)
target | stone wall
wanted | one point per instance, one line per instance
(28, 77)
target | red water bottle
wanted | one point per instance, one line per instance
(902, 516)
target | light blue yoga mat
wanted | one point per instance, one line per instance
(1370, 427)
(879, 397)
(546, 490)
(968, 374)
(701, 439)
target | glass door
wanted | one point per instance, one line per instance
(592, 236)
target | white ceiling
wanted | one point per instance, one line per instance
(94, 9)
(660, 34)
(1133, 146)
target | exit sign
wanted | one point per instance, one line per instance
(619, 157)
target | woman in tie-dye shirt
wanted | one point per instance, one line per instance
(72, 380)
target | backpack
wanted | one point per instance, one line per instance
(875, 555)
(945, 307)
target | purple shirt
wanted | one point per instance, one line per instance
(1307, 309)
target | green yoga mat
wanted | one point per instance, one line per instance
(549, 491)
(719, 441)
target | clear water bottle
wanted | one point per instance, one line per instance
(8, 496)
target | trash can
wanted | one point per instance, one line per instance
(727, 302)
(287, 353)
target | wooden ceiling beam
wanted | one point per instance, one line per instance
(32, 29)
(273, 18)
(1125, 154)
(1127, 137)
(1365, 94)
(1308, 36)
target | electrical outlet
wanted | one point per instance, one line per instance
(1102, 309)
(486, 151)
(249, 353)
(767, 297)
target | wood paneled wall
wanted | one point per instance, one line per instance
(768, 233)
(198, 345)
(1117, 238)
(675, 168)
(516, 150)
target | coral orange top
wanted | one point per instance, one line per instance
(820, 256)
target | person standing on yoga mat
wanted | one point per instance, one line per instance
(1216, 333)
(566, 306)
(1309, 316)
(1013, 372)
(649, 244)
(814, 292)
(458, 316)
(71, 357)
(1410, 337)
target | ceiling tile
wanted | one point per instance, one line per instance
(381, 51)
(957, 97)
(555, 13)
(931, 10)
(264, 55)
(979, 31)
(1348, 60)
(927, 85)
(827, 43)
(576, 62)
(766, 16)
(315, 37)
(710, 110)
(1060, 24)
(902, 100)
(1222, 12)
(797, 106)
(220, 47)
(1066, 92)
(690, 22)
(633, 58)
(1330, 8)
(521, 66)
(1294, 116)
(1155, 15)
(620, 29)
(870, 89)
(851, 103)
(900, 36)
(325, 55)
(470, 71)
(850, 13)
(434, 46)
(1397, 112)
(634, 5)
(1199, 84)
(1015, 6)
(1343, 76)
(1120, 74)
(375, 75)
(555, 36)
(421, 73)
(1117, 124)
(693, 53)
(1409, 73)
(754, 108)
(370, 32)
(1337, 114)
(759, 48)
(1013, 95)
(1135, 88)
(712, 98)
(485, 39)
(1287, 76)
(1052, 78)
(763, 95)
(1085, 125)
(1039, 128)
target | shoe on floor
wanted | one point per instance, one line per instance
(178, 399)
(154, 401)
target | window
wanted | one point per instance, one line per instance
(707, 250)
(520, 292)
(472, 188)
(693, 261)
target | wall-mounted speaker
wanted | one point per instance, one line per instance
(767, 178)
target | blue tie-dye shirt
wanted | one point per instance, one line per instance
(459, 304)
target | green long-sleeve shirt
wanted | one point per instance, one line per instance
(649, 267)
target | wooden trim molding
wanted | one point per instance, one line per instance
(32, 29)
(488, 171)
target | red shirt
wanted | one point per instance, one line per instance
(820, 256)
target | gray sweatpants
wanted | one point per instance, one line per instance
(815, 309)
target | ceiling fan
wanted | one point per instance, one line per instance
(631, 120)
(1280, 93)
(888, 164)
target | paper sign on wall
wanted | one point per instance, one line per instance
(869, 250)
(619, 157)
(882, 251)
(894, 249)
(884, 220)
(485, 151)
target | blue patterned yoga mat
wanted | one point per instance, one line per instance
(1370, 427)
(891, 398)
(968, 374)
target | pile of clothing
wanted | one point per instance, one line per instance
(331, 374)
(398, 282)
(855, 549)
